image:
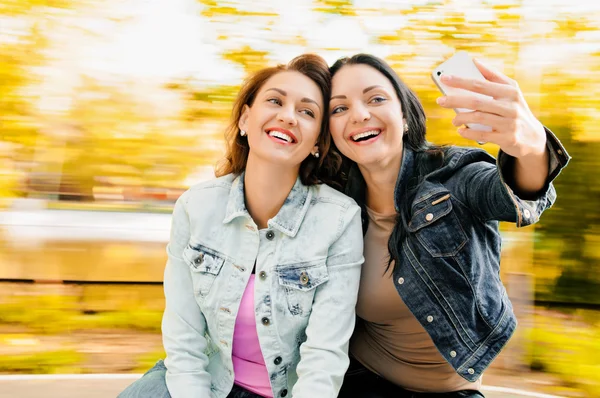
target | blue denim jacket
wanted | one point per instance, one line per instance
(449, 273)
(307, 276)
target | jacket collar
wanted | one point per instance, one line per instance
(407, 171)
(356, 186)
(289, 218)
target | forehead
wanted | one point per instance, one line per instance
(351, 78)
(295, 84)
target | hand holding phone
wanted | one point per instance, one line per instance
(461, 65)
(499, 104)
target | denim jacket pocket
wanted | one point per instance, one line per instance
(299, 282)
(436, 225)
(205, 264)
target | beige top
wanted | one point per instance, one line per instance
(389, 340)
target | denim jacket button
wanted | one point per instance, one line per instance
(199, 259)
(270, 235)
(304, 278)
(400, 281)
(429, 217)
(453, 354)
(527, 213)
(277, 360)
(266, 321)
(283, 393)
(471, 371)
(429, 319)
(262, 275)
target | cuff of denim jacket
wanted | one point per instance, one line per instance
(558, 158)
(529, 208)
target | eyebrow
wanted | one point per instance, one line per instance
(364, 92)
(311, 101)
(371, 88)
(280, 91)
(305, 99)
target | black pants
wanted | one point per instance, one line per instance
(239, 392)
(360, 382)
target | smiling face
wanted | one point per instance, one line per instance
(366, 119)
(284, 120)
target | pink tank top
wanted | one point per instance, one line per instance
(248, 362)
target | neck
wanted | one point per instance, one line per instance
(266, 186)
(381, 180)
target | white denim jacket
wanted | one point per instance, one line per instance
(308, 265)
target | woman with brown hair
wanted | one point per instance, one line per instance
(264, 261)
(432, 310)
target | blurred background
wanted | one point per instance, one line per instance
(110, 109)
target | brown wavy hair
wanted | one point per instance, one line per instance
(312, 170)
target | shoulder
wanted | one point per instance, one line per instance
(213, 192)
(458, 156)
(333, 214)
(323, 193)
(445, 163)
(213, 187)
(458, 167)
(219, 183)
(330, 207)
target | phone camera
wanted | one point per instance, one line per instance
(439, 73)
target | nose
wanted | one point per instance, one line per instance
(359, 114)
(287, 115)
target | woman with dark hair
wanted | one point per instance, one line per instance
(432, 310)
(264, 261)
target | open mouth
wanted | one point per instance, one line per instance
(366, 135)
(281, 135)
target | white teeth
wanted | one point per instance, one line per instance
(280, 135)
(365, 134)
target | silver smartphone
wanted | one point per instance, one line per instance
(460, 64)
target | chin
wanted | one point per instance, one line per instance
(285, 162)
(368, 158)
(369, 162)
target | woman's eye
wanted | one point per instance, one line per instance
(308, 112)
(378, 100)
(274, 101)
(338, 109)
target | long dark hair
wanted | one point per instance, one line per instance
(428, 157)
(312, 170)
